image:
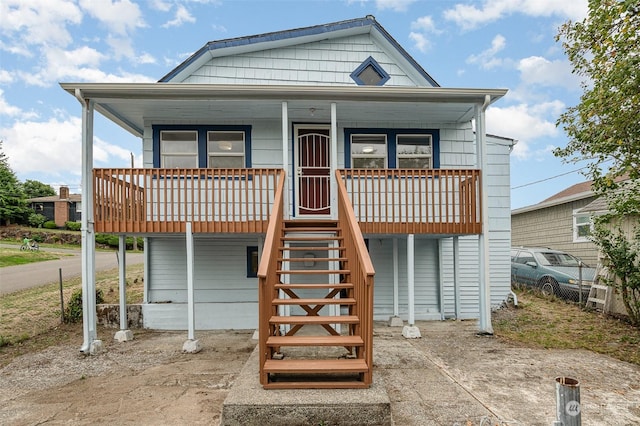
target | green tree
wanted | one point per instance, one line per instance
(603, 128)
(34, 189)
(12, 200)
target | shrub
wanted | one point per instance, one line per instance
(38, 238)
(72, 226)
(50, 225)
(73, 311)
(36, 220)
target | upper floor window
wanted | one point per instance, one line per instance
(370, 73)
(225, 149)
(414, 151)
(190, 146)
(391, 148)
(178, 148)
(369, 151)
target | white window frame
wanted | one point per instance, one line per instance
(231, 145)
(360, 155)
(185, 154)
(577, 238)
(428, 157)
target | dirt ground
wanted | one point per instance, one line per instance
(150, 381)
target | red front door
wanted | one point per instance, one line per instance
(313, 170)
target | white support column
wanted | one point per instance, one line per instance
(91, 344)
(285, 158)
(191, 345)
(145, 285)
(484, 289)
(124, 334)
(334, 161)
(395, 320)
(410, 331)
(441, 279)
(456, 272)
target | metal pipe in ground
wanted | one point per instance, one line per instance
(567, 402)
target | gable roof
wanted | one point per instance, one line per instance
(579, 191)
(53, 198)
(278, 39)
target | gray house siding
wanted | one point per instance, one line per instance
(327, 62)
(553, 227)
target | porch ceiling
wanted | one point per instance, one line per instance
(131, 105)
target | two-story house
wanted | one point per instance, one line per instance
(284, 169)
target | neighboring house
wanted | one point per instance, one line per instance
(558, 223)
(61, 208)
(318, 126)
(628, 225)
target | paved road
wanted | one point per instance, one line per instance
(15, 278)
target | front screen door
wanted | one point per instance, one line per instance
(313, 170)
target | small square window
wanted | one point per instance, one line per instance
(370, 73)
(252, 262)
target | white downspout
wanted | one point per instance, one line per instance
(484, 325)
(191, 345)
(90, 344)
(410, 331)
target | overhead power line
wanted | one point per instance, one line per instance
(549, 178)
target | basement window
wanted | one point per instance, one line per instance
(370, 73)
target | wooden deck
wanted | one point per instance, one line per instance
(385, 201)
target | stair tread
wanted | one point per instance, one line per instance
(314, 301)
(315, 366)
(306, 248)
(312, 238)
(312, 228)
(313, 259)
(297, 340)
(316, 319)
(313, 271)
(350, 384)
(315, 285)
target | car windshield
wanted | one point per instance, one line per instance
(557, 259)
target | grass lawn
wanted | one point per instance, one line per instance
(14, 256)
(548, 322)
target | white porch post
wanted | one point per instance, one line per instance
(441, 279)
(483, 239)
(395, 320)
(191, 345)
(456, 269)
(124, 334)
(285, 158)
(334, 161)
(91, 344)
(145, 275)
(410, 331)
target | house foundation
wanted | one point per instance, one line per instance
(248, 403)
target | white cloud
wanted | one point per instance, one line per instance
(469, 16)
(395, 5)
(36, 22)
(420, 40)
(425, 24)
(526, 123)
(6, 77)
(121, 47)
(541, 71)
(6, 109)
(487, 58)
(161, 5)
(182, 16)
(53, 147)
(120, 16)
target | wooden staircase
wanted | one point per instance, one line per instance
(315, 336)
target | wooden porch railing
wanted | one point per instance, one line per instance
(362, 273)
(415, 201)
(163, 200)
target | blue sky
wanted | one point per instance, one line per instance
(485, 43)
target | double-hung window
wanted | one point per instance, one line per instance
(369, 151)
(191, 146)
(178, 148)
(414, 151)
(225, 150)
(392, 148)
(581, 227)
